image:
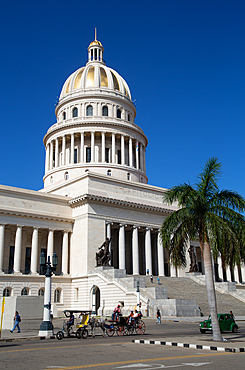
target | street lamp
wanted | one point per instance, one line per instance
(138, 296)
(46, 328)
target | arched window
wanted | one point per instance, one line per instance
(75, 112)
(57, 296)
(64, 115)
(25, 291)
(66, 176)
(89, 110)
(7, 292)
(119, 113)
(128, 117)
(108, 172)
(105, 111)
(41, 292)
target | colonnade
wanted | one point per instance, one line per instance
(135, 249)
(132, 150)
(34, 249)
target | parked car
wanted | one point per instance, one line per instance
(226, 323)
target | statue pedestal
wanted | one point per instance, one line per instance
(103, 268)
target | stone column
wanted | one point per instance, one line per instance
(135, 250)
(72, 148)
(51, 154)
(17, 249)
(113, 148)
(47, 159)
(220, 270)
(236, 274)
(122, 150)
(130, 152)
(173, 271)
(92, 146)
(34, 251)
(121, 247)
(82, 147)
(228, 273)
(103, 147)
(63, 150)
(50, 248)
(65, 253)
(148, 258)
(137, 154)
(160, 255)
(56, 152)
(108, 234)
(2, 230)
(141, 157)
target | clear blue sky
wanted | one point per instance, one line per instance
(183, 60)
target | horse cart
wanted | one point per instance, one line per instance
(121, 326)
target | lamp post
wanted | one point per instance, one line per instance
(138, 296)
(46, 328)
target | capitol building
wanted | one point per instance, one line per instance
(95, 186)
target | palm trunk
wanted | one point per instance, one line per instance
(211, 292)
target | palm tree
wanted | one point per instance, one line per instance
(205, 213)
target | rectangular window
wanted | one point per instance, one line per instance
(88, 154)
(11, 259)
(28, 260)
(75, 155)
(107, 157)
(119, 158)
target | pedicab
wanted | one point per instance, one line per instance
(79, 326)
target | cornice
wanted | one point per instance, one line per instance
(12, 211)
(86, 124)
(86, 198)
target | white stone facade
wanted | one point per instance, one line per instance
(95, 186)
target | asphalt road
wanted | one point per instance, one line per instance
(117, 352)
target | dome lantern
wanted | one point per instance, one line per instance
(95, 51)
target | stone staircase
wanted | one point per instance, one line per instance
(186, 288)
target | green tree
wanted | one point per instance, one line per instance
(206, 214)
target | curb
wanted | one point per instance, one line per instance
(188, 345)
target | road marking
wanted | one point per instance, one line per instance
(160, 366)
(137, 361)
(50, 348)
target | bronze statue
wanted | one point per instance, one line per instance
(103, 256)
(193, 264)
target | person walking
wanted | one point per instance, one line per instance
(158, 280)
(158, 317)
(151, 277)
(17, 320)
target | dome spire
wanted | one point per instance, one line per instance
(95, 50)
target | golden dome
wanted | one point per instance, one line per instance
(95, 42)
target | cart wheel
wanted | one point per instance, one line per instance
(120, 330)
(85, 334)
(59, 335)
(78, 334)
(203, 331)
(110, 332)
(130, 330)
(140, 328)
(234, 329)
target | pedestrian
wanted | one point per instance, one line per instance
(231, 313)
(147, 271)
(17, 320)
(158, 280)
(158, 317)
(151, 277)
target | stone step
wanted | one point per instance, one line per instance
(184, 288)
